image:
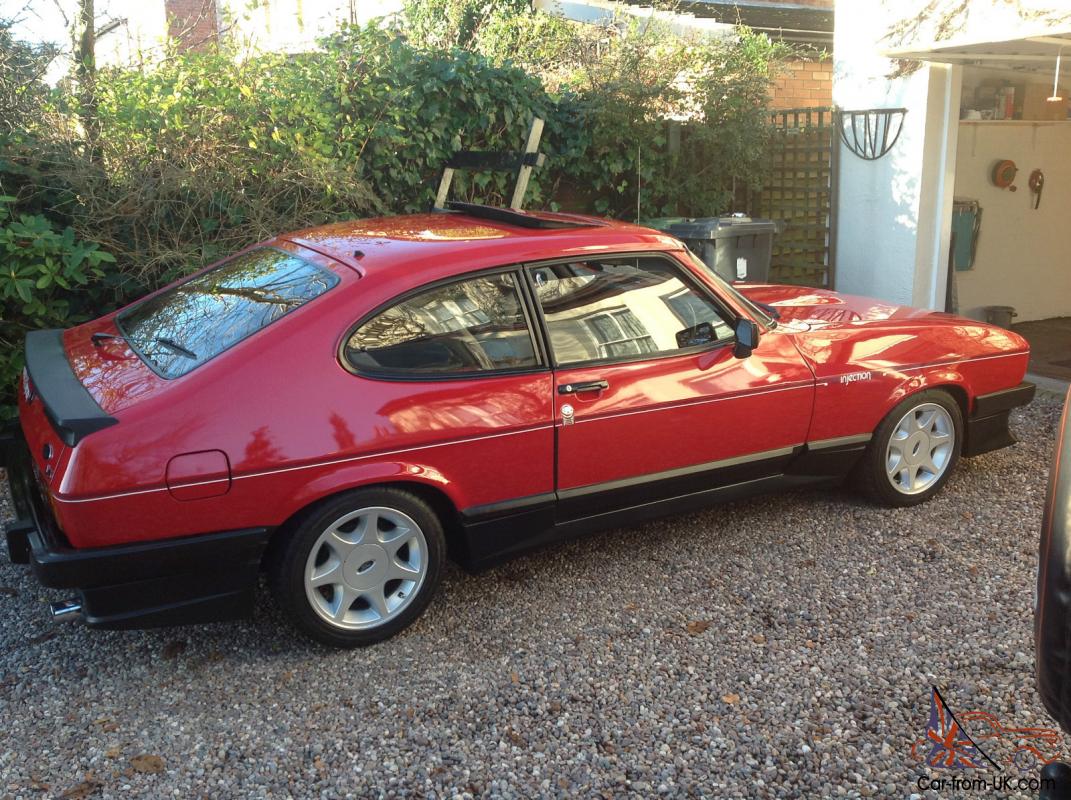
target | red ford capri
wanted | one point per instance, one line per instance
(343, 406)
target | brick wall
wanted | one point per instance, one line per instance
(192, 23)
(804, 84)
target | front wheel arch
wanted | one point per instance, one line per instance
(959, 394)
(872, 477)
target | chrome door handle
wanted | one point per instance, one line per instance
(584, 386)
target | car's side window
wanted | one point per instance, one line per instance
(469, 326)
(608, 308)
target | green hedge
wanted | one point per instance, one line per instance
(209, 152)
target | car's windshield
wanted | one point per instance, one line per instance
(202, 317)
(760, 315)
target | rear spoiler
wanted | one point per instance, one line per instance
(68, 404)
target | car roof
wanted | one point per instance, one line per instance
(445, 243)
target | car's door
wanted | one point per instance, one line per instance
(650, 401)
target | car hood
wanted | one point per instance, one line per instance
(841, 331)
(822, 308)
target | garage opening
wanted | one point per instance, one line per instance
(1010, 261)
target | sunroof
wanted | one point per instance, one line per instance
(512, 216)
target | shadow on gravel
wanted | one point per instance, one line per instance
(268, 637)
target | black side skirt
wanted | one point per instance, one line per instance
(493, 534)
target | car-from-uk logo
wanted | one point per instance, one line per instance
(999, 757)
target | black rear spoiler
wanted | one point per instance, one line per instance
(68, 404)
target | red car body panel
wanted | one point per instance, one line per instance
(900, 349)
(682, 411)
(256, 434)
(295, 425)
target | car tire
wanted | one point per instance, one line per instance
(913, 450)
(360, 567)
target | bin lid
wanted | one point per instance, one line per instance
(730, 225)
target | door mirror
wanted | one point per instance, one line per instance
(747, 337)
(703, 333)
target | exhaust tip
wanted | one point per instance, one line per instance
(65, 610)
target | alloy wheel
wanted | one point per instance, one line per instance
(365, 568)
(920, 448)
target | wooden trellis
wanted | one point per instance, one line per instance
(801, 194)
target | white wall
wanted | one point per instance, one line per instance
(1023, 255)
(137, 40)
(295, 25)
(894, 214)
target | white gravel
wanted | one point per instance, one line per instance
(575, 671)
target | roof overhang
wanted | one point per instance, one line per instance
(1028, 51)
(789, 20)
(610, 12)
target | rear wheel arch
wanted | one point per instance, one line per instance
(439, 501)
(359, 565)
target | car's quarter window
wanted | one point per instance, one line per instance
(467, 326)
(186, 325)
(615, 308)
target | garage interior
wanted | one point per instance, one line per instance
(1010, 219)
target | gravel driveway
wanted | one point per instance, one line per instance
(778, 647)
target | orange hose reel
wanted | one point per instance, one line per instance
(1003, 174)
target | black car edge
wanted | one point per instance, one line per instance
(1052, 605)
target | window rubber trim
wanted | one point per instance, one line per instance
(534, 333)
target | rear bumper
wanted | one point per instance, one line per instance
(203, 578)
(1052, 620)
(987, 427)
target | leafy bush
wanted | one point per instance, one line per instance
(405, 111)
(22, 91)
(446, 24)
(208, 152)
(49, 279)
(205, 155)
(626, 86)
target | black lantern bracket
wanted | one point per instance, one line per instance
(870, 133)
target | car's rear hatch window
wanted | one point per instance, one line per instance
(183, 327)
